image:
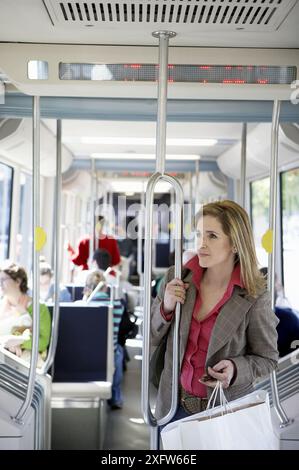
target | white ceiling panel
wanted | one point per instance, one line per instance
(215, 23)
(76, 134)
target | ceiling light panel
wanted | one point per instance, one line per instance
(141, 156)
(142, 141)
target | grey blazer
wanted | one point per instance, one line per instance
(244, 331)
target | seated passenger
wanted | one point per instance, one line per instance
(16, 312)
(92, 281)
(288, 326)
(101, 260)
(47, 286)
(287, 329)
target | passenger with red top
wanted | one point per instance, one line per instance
(227, 328)
(103, 242)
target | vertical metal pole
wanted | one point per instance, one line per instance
(96, 203)
(190, 211)
(35, 257)
(163, 37)
(111, 212)
(139, 241)
(284, 420)
(105, 198)
(196, 185)
(110, 355)
(243, 165)
(172, 221)
(197, 203)
(56, 247)
(92, 241)
(190, 189)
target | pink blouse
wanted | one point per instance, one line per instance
(193, 366)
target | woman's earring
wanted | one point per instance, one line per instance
(234, 249)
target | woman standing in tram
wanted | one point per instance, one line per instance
(227, 328)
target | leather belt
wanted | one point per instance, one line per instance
(191, 403)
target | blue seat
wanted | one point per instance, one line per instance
(162, 254)
(75, 291)
(287, 329)
(83, 344)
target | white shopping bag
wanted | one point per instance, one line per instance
(243, 424)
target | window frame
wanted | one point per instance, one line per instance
(286, 169)
(11, 187)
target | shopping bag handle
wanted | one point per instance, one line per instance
(224, 404)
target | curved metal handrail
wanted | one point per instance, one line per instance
(56, 237)
(140, 237)
(35, 255)
(148, 415)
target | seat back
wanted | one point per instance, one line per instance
(162, 255)
(85, 344)
(76, 291)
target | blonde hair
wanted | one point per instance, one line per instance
(236, 225)
(92, 281)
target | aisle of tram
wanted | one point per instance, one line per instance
(126, 429)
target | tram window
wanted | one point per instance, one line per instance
(6, 178)
(259, 199)
(290, 234)
(24, 236)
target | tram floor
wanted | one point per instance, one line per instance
(125, 428)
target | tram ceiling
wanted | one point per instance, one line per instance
(252, 23)
(121, 109)
(223, 50)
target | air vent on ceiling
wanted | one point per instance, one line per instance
(227, 14)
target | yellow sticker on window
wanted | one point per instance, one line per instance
(40, 238)
(267, 241)
(188, 229)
